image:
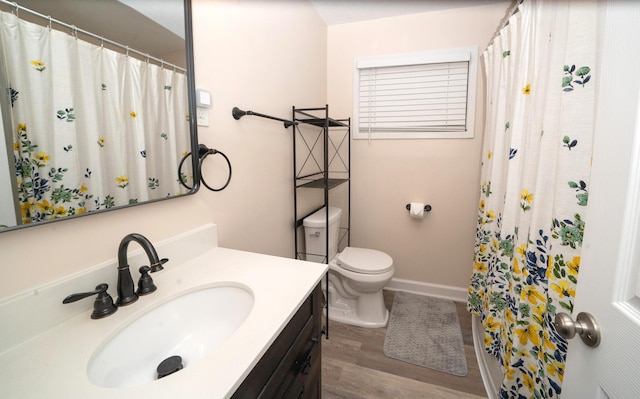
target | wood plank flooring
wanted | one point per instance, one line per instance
(354, 367)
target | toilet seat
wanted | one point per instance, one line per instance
(364, 260)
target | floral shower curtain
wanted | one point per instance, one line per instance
(93, 128)
(534, 191)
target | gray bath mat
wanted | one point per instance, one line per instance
(425, 331)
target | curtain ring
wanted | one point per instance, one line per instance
(74, 31)
(127, 53)
(17, 7)
(147, 57)
(50, 22)
(102, 42)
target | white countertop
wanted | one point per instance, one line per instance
(53, 364)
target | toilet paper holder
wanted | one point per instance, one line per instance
(427, 208)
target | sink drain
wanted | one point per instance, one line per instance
(169, 366)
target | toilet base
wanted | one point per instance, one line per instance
(368, 310)
(349, 317)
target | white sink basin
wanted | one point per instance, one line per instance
(190, 326)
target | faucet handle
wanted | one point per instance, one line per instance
(156, 267)
(145, 284)
(103, 305)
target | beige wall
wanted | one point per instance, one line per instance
(264, 57)
(267, 57)
(261, 58)
(388, 174)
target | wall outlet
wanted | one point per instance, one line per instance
(202, 116)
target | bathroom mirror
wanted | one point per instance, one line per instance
(97, 107)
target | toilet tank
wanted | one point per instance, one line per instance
(315, 230)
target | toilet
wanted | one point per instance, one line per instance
(356, 275)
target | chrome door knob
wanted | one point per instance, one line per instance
(585, 326)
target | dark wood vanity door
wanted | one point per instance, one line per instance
(291, 367)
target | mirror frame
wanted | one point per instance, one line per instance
(193, 134)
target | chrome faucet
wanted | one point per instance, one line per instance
(126, 293)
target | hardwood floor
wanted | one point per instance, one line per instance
(354, 367)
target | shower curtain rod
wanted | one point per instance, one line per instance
(75, 30)
(511, 11)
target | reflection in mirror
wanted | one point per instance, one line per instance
(96, 114)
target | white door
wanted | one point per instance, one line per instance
(609, 286)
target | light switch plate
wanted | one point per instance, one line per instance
(202, 116)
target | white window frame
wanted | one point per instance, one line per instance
(462, 54)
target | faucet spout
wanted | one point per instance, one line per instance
(126, 292)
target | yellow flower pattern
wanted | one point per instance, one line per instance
(532, 295)
(564, 288)
(525, 200)
(480, 267)
(527, 250)
(41, 194)
(573, 266)
(53, 177)
(528, 382)
(38, 65)
(122, 181)
(42, 157)
(526, 196)
(45, 206)
(59, 211)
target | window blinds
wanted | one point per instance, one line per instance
(422, 97)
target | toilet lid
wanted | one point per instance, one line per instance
(363, 260)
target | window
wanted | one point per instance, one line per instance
(416, 95)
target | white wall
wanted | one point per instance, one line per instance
(388, 174)
(258, 57)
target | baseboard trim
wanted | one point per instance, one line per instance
(435, 290)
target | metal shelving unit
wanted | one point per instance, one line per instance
(321, 162)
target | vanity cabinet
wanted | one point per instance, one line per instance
(291, 366)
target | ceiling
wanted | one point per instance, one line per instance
(155, 27)
(336, 12)
(115, 19)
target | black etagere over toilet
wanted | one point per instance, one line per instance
(321, 174)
